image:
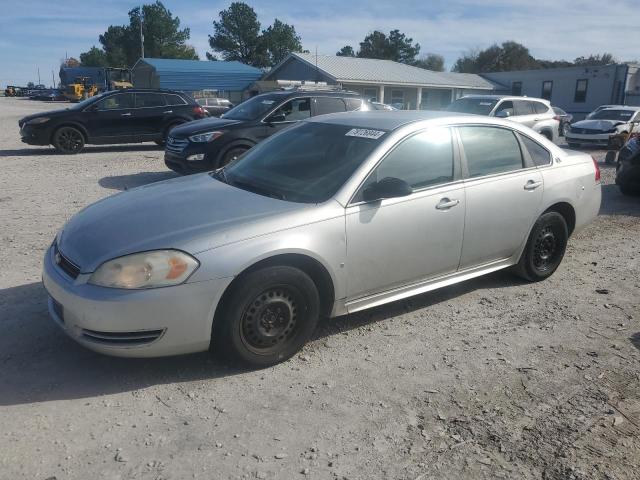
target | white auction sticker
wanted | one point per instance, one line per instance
(364, 133)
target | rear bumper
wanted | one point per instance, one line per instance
(132, 323)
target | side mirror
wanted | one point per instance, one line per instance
(502, 114)
(277, 118)
(388, 187)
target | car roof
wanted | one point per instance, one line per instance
(507, 97)
(145, 90)
(314, 93)
(621, 107)
(385, 119)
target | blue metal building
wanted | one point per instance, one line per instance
(229, 79)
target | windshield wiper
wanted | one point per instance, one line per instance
(256, 189)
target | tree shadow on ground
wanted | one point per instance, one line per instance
(40, 151)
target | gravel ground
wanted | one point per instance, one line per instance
(493, 378)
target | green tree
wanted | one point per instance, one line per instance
(163, 38)
(431, 61)
(279, 40)
(94, 57)
(396, 46)
(237, 36)
(346, 51)
(595, 60)
(497, 58)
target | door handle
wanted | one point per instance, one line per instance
(168, 111)
(128, 114)
(532, 185)
(446, 204)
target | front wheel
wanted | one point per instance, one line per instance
(68, 140)
(545, 248)
(267, 317)
(232, 155)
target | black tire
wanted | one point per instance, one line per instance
(267, 317)
(231, 155)
(617, 142)
(545, 248)
(166, 133)
(68, 140)
(547, 135)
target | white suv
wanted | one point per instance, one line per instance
(535, 113)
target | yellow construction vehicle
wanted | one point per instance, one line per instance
(117, 78)
(80, 89)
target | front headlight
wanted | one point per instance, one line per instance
(38, 121)
(159, 268)
(205, 137)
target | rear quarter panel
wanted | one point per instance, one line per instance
(571, 179)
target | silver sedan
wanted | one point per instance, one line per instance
(334, 215)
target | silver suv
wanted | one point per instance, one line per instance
(534, 113)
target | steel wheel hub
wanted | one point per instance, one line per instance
(545, 248)
(269, 320)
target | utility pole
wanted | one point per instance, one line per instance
(141, 34)
(53, 80)
(38, 75)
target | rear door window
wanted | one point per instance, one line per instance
(490, 150)
(147, 100)
(507, 107)
(523, 107)
(172, 99)
(324, 105)
(540, 155)
(540, 107)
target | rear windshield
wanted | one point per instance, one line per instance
(622, 115)
(306, 163)
(254, 108)
(478, 106)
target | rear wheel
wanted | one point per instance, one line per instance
(267, 317)
(545, 248)
(68, 140)
(617, 143)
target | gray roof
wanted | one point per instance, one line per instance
(369, 70)
(386, 120)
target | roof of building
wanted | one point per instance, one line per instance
(369, 70)
(194, 75)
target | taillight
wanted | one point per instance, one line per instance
(595, 164)
(557, 118)
(199, 111)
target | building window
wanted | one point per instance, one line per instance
(547, 88)
(581, 91)
(397, 99)
(371, 94)
(516, 88)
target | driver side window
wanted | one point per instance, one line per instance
(116, 102)
(294, 110)
(422, 160)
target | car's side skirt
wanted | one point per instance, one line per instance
(426, 285)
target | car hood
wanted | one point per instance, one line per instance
(50, 114)
(201, 126)
(192, 214)
(602, 125)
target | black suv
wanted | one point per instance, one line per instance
(120, 116)
(213, 142)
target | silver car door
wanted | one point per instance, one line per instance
(397, 241)
(503, 194)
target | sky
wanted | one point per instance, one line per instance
(41, 32)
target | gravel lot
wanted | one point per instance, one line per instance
(492, 378)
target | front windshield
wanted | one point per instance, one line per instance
(478, 106)
(619, 115)
(306, 163)
(253, 108)
(86, 102)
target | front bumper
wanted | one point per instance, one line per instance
(179, 163)
(599, 139)
(132, 323)
(34, 136)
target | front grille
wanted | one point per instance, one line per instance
(176, 145)
(140, 337)
(66, 265)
